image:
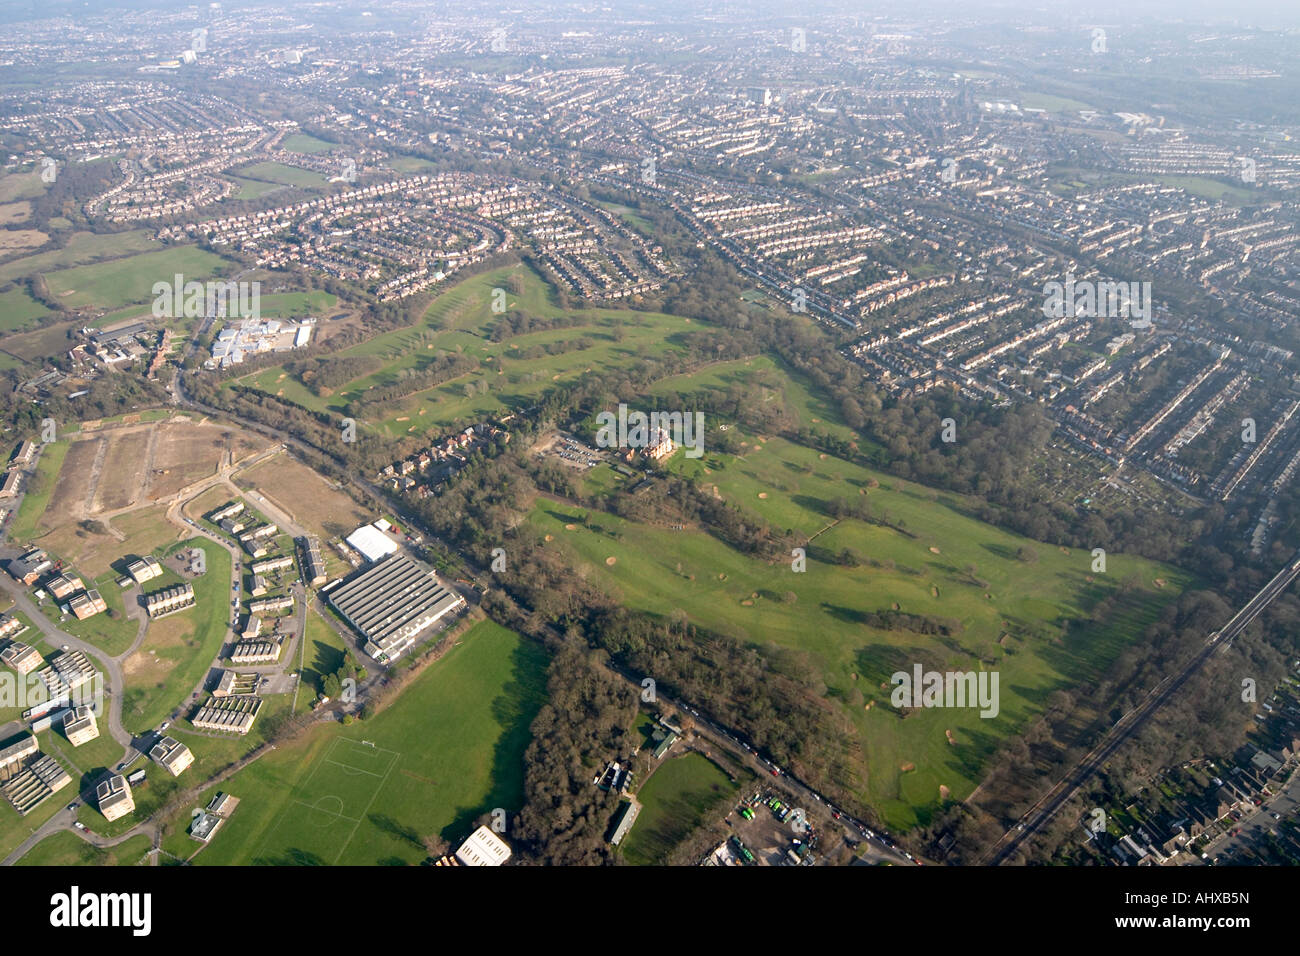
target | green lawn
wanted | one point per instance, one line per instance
(1029, 620)
(68, 849)
(674, 802)
(145, 705)
(32, 509)
(447, 751)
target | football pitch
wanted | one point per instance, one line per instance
(332, 801)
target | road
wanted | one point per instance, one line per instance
(1047, 807)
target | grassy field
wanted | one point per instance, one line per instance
(1029, 619)
(122, 282)
(674, 801)
(282, 174)
(178, 649)
(304, 143)
(32, 509)
(68, 849)
(81, 248)
(19, 310)
(459, 321)
(323, 652)
(447, 751)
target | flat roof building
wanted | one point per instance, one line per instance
(391, 603)
(114, 797)
(21, 657)
(172, 755)
(87, 604)
(229, 715)
(144, 569)
(371, 542)
(483, 848)
(80, 726)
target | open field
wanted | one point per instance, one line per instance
(21, 186)
(512, 373)
(282, 174)
(39, 492)
(305, 143)
(19, 310)
(121, 282)
(1027, 617)
(81, 248)
(312, 501)
(674, 801)
(178, 649)
(447, 751)
(68, 849)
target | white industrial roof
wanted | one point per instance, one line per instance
(483, 848)
(372, 542)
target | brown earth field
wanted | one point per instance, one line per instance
(306, 496)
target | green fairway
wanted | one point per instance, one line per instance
(512, 374)
(69, 849)
(448, 750)
(122, 282)
(1027, 616)
(675, 800)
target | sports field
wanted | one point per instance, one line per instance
(1028, 616)
(447, 751)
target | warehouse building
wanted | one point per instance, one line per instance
(391, 603)
(373, 544)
